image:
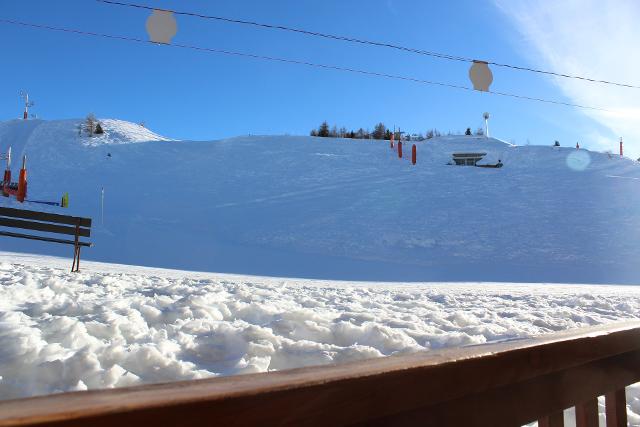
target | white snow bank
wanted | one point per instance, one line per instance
(112, 325)
(122, 132)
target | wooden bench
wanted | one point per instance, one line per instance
(47, 223)
(503, 384)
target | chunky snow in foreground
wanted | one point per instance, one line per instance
(324, 208)
(114, 325)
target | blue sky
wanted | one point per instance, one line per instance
(190, 95)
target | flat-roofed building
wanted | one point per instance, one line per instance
(467, 159)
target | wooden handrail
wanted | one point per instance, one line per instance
(504, 384)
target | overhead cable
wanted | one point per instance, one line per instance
(370, 42)
(288, 61)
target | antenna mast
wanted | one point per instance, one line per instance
(25, 97)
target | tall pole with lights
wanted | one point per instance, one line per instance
(486, 124)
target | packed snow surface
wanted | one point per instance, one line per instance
(114, 325)
(327, 208)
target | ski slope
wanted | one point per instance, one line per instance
(284, 206)
(290, 206)
(114, 325)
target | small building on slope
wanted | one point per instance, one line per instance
(467, 159)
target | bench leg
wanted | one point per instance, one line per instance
(75, 268)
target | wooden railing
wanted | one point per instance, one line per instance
(504, 384)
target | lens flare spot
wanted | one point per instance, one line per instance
(161, 26)
(578, 160)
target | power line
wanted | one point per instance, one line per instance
(369, 42)
(290, 61)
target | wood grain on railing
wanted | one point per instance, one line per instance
(503, 384)
(587, 413)
(555, 419)
(616, 408)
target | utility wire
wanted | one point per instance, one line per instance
(369, 42)
(289, 61)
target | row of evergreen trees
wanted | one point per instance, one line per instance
(380, 131)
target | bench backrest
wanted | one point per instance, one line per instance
(45, 222)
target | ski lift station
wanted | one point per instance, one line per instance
(467, 159)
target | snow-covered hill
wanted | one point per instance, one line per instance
(303, 207)
(338, 209)
(120, 132)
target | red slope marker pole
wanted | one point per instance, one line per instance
(22, 181)
(7, 175)
(400, 149)
(413, 154)
(621, 150)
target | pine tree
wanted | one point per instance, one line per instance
(379, 131)
(99, 130)
(468, 132)
(314, 132)
(556, 144)
(323, 130)
(479, 131)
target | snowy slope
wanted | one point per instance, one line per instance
(113, 325)
(122, 132)
(339, 209)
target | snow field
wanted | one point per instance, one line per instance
(296, 206)
(287, 206)
(113, 326)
